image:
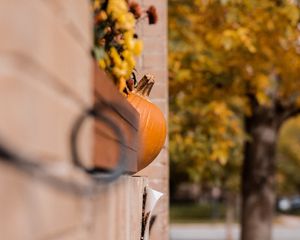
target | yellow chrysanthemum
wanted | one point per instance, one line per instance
(103, 15)
(120, 63)
(116, 7)
(115, 56)
(96, 5)
(128, 40)
(138, 47)
(102, 63)
(129, 58)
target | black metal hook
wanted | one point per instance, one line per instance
(34, 168)
(96, 173)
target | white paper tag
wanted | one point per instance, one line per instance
(152, 197)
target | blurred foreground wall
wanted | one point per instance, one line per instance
(45, 82)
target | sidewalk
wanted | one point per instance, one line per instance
(285, 228)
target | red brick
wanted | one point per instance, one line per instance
(162, 158)
(154, 61)
(159, 185)
(70, 234)
(118, 210)
(162, 104)
(45, 80)
(153, 170)
(160, 75)
(33, 209)
(40, 116)
(160, 4)
(159, 91)
(35, 34)
(77, 18)
(155, 44)
(157, 30)
(158, 231)
(160, 28)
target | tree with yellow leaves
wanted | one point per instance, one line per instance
(288, 157)
(234, 68)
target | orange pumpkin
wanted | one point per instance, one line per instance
(152, 124)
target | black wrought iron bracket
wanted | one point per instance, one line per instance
(36, 168)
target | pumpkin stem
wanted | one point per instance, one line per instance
(148, 89)
(145, 85)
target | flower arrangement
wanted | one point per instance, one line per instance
(116, 44)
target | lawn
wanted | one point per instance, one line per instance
(196, 212)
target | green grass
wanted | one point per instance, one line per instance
(193, 213)
(292, 213)
(203, 213)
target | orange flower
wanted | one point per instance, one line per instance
(152, 15)
(135, 9)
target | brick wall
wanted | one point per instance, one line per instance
(154, 60)
(45, 82)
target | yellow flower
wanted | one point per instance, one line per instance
(115, 56)
(119, 71)
(129, 58)
(130, 21)
(128, 39)
(122, 84)
(117, 6)
(96, 4)
(103, 15)
(125, 21)
(138, 47)
(120, 64)
(102, 63)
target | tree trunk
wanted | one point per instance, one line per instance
(230, 204)
(258, 193)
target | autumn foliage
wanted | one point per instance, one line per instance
(234, 80)
(227, 59)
